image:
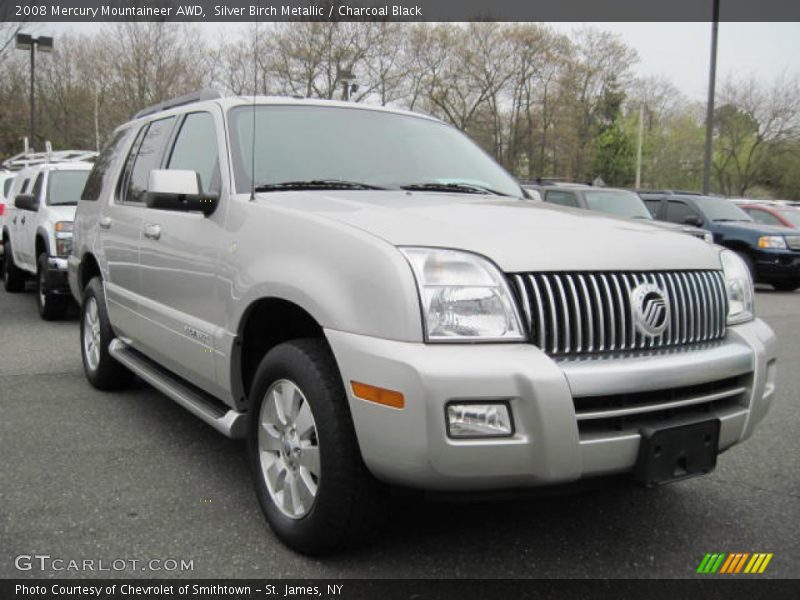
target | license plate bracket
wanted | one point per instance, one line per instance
(676, 452)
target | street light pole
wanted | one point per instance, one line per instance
(712, 76)
(28, 42)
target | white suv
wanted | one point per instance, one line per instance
(37, 233)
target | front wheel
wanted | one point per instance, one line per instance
(51, 306)
(102, 371)
(310, 479)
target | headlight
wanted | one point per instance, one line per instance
(772, 241)
(739, 287)
(709, 237)
(64, 226)
(464, 297)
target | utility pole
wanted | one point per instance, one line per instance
(712, 76)
(26, 41)
(96, 120)
(639, 148)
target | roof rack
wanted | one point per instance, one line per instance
(22, 160)
(669, 192)
(198, 96)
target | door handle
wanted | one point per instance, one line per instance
(23, 220)
(105, 222)
(14, 220)
(152, 231)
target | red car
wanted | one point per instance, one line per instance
(773, 214)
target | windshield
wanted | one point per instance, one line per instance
(791, 215)
(719, 209)
(65, 187)
(374, 148)
(622, 204)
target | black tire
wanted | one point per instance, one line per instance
(749, 262)
(350, 505)
(13, 276)
(51, 306)
(789, 285)
(107, 374)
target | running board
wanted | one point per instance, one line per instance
(201, 404)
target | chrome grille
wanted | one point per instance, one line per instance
(793, 241)
(584, 313)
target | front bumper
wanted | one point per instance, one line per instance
(410, 447)
(777, 265)
(57, 276)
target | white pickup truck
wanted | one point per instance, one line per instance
(37, 231)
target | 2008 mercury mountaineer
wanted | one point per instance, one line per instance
(370, 300)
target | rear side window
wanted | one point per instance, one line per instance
(37, 187)
(7, 187)
(195, 149)
(561, 198)
(148, 152)
(653, 205)
(98, 177)
(677, 211)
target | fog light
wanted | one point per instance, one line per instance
(477, 420)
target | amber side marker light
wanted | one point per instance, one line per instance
(378, 395)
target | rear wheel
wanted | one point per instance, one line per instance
(102, 371)
(13, 277)
(51, 306)
(786, 285)
(311, 481)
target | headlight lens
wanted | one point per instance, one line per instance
(772, 241)
(464, 297)
(739, 287)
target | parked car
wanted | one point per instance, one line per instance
(367, 297)
(37, 234)
(772, 254)
(612, 201)
(778, 215)
(6, 179)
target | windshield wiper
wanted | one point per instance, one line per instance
(435, 186)
(316, 184)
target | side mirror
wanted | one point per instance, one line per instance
(174, 189)
(693, 220)
(26, 202)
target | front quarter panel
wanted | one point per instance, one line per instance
(347, 279)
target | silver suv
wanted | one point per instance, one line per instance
(371, 300)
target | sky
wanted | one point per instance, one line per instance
(677, 51)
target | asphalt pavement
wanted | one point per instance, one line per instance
(131, 476)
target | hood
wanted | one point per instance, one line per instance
(752, 227)
(61, 213)
(690, 229)
(518, 235)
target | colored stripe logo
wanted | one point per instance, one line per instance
(734, 563)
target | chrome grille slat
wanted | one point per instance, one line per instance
(583, 313)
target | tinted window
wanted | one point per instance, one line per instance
(677, 211)
(762, 216)
(148, 157)
(653, 204)
(196, 150)
(561, 198)
(7, 186)
(623, 204)
(64, 187)
(37, 187)
(97, 178)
